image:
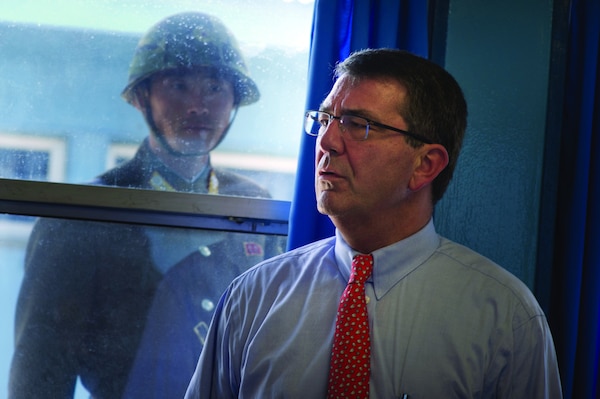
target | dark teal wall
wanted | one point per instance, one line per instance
(499, 51)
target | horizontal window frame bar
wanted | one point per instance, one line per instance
(149, 207)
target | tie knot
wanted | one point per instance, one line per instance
(362, 266)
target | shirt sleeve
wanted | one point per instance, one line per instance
(50, 314)
(535, 371)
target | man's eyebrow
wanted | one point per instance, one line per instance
(346, 111)
(363, 113)
(324, 108)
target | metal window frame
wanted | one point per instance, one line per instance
(149, 207)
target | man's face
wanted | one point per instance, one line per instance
(364, 179)
(192, 109)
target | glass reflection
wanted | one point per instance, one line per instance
(92, 297)
(63, 72)
(123, 306)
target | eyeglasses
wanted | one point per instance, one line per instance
(354, 127)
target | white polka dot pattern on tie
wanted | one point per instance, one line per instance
(351, 353)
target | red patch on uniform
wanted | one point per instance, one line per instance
(253, 249)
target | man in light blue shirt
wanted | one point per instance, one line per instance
(445, 322)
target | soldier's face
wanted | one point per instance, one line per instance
(192, 109)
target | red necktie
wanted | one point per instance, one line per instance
(351, 354)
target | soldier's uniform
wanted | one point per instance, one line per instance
(88, 286)
(180, 314)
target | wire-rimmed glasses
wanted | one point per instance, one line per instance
(352, 126)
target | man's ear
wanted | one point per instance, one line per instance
(136, 101)
(430, 161)
(141, 96)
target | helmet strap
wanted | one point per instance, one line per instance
(231, 119)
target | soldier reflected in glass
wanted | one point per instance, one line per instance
(89, 287)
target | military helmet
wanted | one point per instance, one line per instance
(191, 40)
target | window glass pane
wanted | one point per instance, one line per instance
(32, 157)
(111, 297)
(21, 164)
(64, 64)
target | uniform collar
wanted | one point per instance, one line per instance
(161, 177)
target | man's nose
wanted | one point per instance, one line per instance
(330, 140)
(196, 105)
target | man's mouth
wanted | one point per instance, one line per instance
(196, 127)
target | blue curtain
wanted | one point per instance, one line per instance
(340, 27)
(575, 305)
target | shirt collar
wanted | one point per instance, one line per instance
(394, 262)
